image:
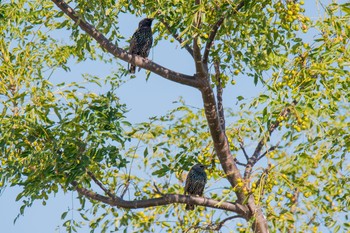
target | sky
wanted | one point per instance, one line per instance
(144, 99)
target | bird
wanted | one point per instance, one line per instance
(195, 182)
(141, 41)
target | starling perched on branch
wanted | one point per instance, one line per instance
(195, 182)
(141, 41)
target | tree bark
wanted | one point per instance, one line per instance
(226, 159)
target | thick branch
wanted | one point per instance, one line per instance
(176, 36)
(226, 159)
(254, 158)
(214, 32)
(219, 138)
(165, 200)
(122, 54)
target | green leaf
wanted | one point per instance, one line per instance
(145, 152)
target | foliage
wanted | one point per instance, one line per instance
(52, 133)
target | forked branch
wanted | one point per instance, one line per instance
(255, 157)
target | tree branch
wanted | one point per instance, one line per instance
(214, 226)
(219, 91)
(122, 54)
(201, 71)
(219, 138)
(244, 152)
(214, 32)
(165, 200)
(100, 184)
(254, 158)
(176, 37)
(239, 163)
(267, 151)
(241, 145)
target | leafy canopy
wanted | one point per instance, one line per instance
(53, 132)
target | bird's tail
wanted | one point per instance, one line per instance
(132, 69)
(189, 207)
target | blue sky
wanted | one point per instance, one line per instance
(144, 99)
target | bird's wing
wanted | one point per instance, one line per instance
(133, 42)
(149, 46)
(187, 182)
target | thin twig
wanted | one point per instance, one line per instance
(254, 158)
(93, 177)
(214, 226)
(241, 144)
(126, 187)
(311, 219)
(264, 176)
(157, 189)
(214, 31)
(244, 152)
(269, 150)
(176, 37)
(239, 163)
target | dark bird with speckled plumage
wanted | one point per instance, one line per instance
(195, 182)
(141, 41)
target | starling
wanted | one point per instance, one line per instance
(141, 41)
(195, 182)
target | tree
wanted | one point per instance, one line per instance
(58, 136)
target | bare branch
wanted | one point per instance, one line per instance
(239, 163)
(312, 219)
(176, 37)
(126, 187)
(254, 158)
(214, 32)
(122, 54)
(241, 144)
(165, 200)
(244, 152)
(157, 189)
(269, 150)
(214, 226)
